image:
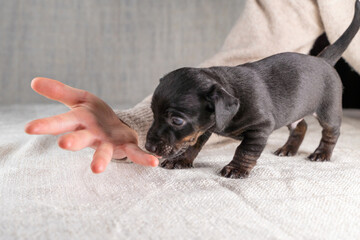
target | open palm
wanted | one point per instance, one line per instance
(89, 123)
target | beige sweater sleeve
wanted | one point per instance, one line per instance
(269, 27)
(264, 28)
(336, 16)
(138, 118)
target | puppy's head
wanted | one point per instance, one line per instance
(186, 103)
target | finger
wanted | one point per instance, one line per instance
(59, 91)
(77, 140)
(139, 156)
(54, 125)
(119, 154)
(102, 157)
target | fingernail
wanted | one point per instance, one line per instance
(97, 168)
(31, 129)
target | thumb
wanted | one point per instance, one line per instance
(135, 154)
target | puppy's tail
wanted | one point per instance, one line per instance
(333, 53)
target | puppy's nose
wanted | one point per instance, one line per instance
(150, 147)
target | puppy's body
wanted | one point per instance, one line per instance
(248, 102)
(275, 91)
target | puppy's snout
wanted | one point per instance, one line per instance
(151, 147)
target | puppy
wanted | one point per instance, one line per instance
(247, 103)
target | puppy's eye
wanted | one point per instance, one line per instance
(177, 121)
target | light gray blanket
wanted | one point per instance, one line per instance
(49, 193)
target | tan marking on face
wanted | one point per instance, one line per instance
(190, 139)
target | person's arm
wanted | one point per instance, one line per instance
(336, 17)
(264, 28)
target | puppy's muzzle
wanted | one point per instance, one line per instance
(156, 146)
(161, 148)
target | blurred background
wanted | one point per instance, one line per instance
(116, 49)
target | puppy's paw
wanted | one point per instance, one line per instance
(176, 164)
(319, 156)
(234, 172)
(286, 150)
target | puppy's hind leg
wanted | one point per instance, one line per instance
(297, 133)
(330, 135)
(330, 120)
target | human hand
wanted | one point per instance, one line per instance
(89, 123)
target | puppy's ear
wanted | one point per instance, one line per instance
(225, 106)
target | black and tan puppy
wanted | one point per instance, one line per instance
(248, 102)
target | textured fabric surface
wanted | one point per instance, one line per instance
(49, 193)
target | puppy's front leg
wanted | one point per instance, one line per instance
(246, 155)
(186, 159)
